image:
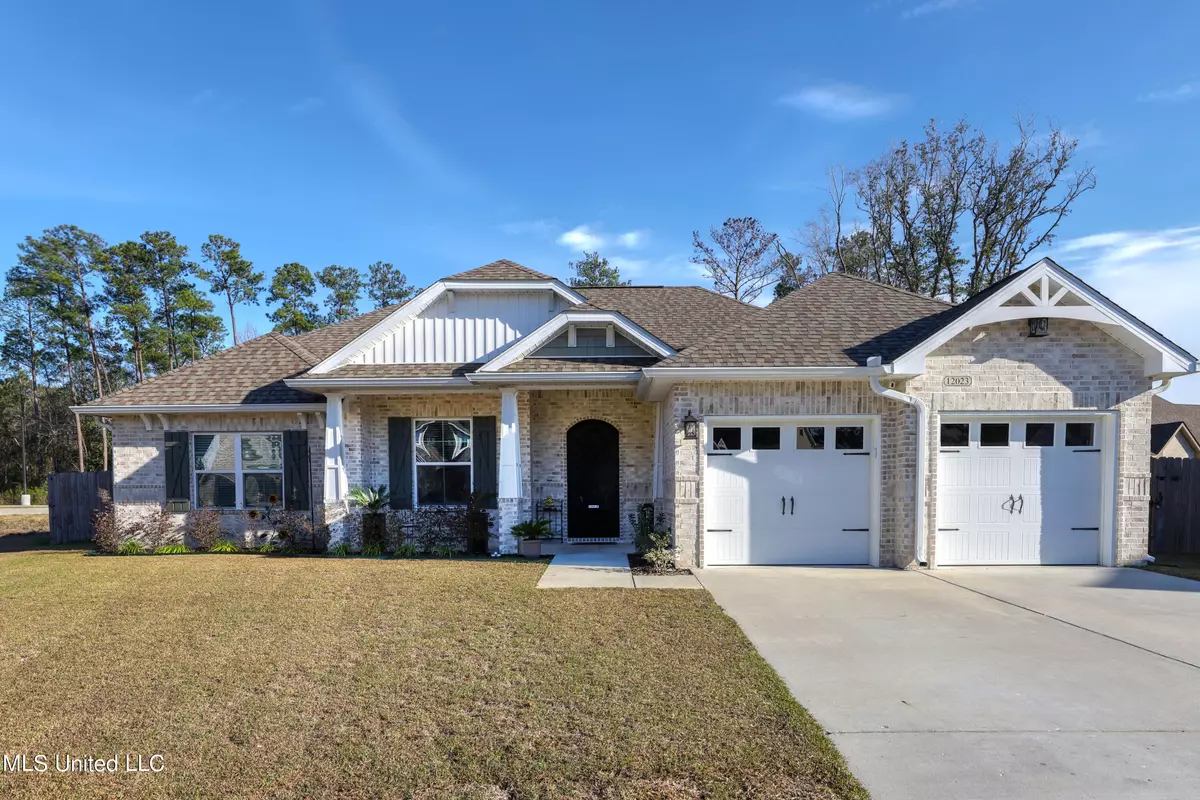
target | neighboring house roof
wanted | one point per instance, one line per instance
(836, 320)
(1167, 418)
(502, 270)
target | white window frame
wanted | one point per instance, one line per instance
(238, 472)
(469, 463)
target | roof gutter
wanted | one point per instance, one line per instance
(759, 373)
(348, 384)
(195, 408)
(922, 445)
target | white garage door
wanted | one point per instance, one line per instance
(1022, 490)
(790, 492)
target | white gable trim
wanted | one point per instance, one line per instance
(524, 346)
(426, 299)
(1162, 356)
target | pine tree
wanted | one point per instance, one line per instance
(230, 275)
(291, 287)
(345, 286)
(387, 285)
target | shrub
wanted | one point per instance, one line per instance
(223, 546)
(171, 549)
(203, 526)
(38, 496)
(644, 525)
(373, 549)
(130, 547)
(341, 549)
(661, 554)
(532, 529)
(407, 550)
(156, 528)
(107, 534)
(373, 500)
(445, 551)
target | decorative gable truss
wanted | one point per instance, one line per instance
(1048, 291)
(456, 322)
(590, 334)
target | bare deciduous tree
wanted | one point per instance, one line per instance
(741, 265)
(917, 199)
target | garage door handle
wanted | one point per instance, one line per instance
(1008, 504)
(1021, 500)
(719, 530)
(846, 530)
(782, 505)
(1088, 451)
(793, 506)
(856, 454)
(1085, 529)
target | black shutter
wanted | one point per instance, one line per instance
(175, 471)
(297, 477)
(483, 457)
(400, 469)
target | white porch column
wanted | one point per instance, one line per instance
(509, 495)
(335, 450)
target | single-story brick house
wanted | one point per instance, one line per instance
(849, 423)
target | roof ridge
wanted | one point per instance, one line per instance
(861, 279)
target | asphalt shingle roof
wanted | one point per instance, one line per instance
(401, 371)
(1167, 417)
(836, 320)
(681, 316)
(502, 270)
(626, 364)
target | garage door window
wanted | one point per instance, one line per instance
(955, 434)
(1081, 434)
(848, 438)
(810, 438)
(727, 439)
(764, 438)
(993, 434)
(1039, 434)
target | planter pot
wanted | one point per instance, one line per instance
(530, 548)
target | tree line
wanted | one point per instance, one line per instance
(81, 319)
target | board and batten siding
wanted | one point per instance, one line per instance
(470, 327)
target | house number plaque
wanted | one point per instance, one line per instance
(957, 380)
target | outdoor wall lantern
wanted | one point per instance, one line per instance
(691, 426)
(1039, 326)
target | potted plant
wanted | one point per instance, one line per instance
(531, 532)
(372, 502)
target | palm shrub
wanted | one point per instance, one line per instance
(373, 502)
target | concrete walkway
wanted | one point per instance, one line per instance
(988, 683)
(20, 511)
(604, 567)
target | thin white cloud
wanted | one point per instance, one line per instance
(585, 237)
(632, 239)
(306, 106)
(931, 7)
(581, 237)
(1186, 91)
(203, 96)
(535, 227)
(1152, 274)
(842, 102)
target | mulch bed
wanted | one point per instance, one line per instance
(640, 567)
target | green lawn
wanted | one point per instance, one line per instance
(298, 677)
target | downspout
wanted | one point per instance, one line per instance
(922, 465)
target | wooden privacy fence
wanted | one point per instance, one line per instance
(1174, 506)
(73, 496)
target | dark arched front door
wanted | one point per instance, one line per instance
(593, 476)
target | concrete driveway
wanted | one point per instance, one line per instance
(988, 682)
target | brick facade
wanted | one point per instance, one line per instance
(1078, 367)
(552, 415)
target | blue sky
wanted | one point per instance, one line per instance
(440, 136)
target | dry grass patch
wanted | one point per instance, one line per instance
(1181, 566)
(278, 677)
